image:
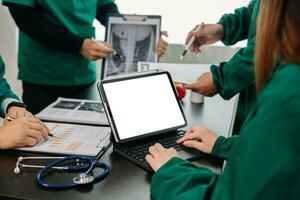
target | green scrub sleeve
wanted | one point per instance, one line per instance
(223, 146)
(30, 3)
(105, 2)
(265, 162)
(233, 76)
(5, 91)
(236, 26)
(179, 179)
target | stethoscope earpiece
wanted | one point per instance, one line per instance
(17, 170)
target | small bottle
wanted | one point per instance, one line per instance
(196, 97)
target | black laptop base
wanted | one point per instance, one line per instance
(137, 151)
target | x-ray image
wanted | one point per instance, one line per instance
(133, 43)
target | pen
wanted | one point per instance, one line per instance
(120, 56)
(192, 40)
(9, 118)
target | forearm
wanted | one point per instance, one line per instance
(103, 10)
(233, 76)
(236, 26)
(179, 179)
(33, 23)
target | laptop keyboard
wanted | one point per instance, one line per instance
(139, 152)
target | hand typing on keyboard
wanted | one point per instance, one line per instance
(139, 152)
(158, 156)
(199, 138)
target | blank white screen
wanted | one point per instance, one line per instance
(143, 105)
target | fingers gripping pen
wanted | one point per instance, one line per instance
(115, 53)
(191, 42)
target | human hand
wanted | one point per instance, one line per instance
(199, 138)
(204, 85)
(17, 112)
(208, 34)
(162, 45)
(23, 131)
(159, 156)
(94, 50)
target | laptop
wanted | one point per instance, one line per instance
(143, 109)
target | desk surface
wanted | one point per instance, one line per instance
(126, 181)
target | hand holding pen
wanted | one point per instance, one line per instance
(42, 127)
(203, 34)
(115, 53)
(94, 50)
(191, 40)
(22, 132)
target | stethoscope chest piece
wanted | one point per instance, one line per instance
(83, 178)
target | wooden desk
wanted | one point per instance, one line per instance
(126, 181)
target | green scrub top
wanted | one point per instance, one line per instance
(262, 163)
(42, 65)
(5, 91)
(237, 75)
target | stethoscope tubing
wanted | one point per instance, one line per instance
(92, 163)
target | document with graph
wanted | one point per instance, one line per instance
(72, 139)
(80, 111)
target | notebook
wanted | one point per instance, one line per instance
(143, 109)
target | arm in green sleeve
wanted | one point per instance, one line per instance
(223, 146)
(232, 77)
(104, 10)
(179, 179)
(5, 91)
(30, 3)
(105, 2)
(264, 163)
(236, 26)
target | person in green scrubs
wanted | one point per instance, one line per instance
(236, 75)
(24, 130)
(263, 161)
(56, 47)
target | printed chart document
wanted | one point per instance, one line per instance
(74, 111)
(72, 139)
(183, 73)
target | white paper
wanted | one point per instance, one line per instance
(72, 139)
(183, 73)
(75, 111)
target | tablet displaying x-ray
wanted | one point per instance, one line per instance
(134, 38)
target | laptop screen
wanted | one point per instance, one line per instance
(143, 105)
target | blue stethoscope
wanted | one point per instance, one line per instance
(80, 163)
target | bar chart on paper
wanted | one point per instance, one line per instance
(61, 137)
(72, 139)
